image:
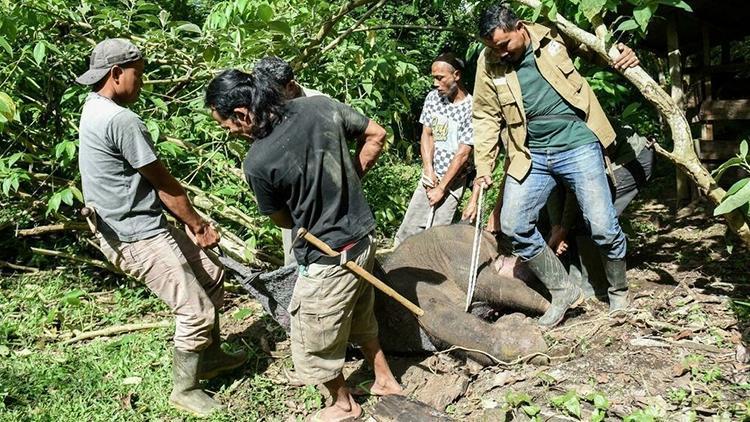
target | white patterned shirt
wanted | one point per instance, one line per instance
(451, 126)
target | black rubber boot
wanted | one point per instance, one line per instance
(187, 394)
(565, 295)
(618, 284)
(214, 360)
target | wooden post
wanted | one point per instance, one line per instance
(707, 131)
(674, 58)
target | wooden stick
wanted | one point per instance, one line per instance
(356, 269)
(118, 329)
(68, 225)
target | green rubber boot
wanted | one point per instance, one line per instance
(214, 360)
(618, 284)
(565, 295)
(187, 394)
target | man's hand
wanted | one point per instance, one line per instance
(557, 240)
(435, 195)
(429, 179)
(205, 235)
(486, 180)
(626, 59)
(470, 212)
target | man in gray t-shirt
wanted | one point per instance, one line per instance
(128, 188)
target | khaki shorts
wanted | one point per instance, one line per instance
(330, 308)
(181, 274)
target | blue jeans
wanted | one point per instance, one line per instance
(582, 170)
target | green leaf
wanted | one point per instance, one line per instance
(737, 196)
(280, 26)
(732, 162)
(531, 410)
(242, 313)
(642, 16)
(7, 107)
(630, 109)
(77, 193)
(4, 44)
(627, 25)
(40, 50)
(743, 149)
(598, 415)
(265, 12)
(601, 402)
(153, 130)
(592, 8)
(54, 203)
(189, 27)
(72, 298)
(67, 196)
(680, 4)
(552, 14)
(160, 104)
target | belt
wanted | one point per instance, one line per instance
(347, 252)
(569, 117)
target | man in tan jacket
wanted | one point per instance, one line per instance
(528, 94)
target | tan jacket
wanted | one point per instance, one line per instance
(498, 106)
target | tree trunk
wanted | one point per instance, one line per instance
(683, 155)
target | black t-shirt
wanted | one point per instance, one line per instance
(304, 165)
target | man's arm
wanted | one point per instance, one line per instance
(486, 119)
(457, 164)
(174, 197)
(283, 219)
(369, 146)
(427, 149)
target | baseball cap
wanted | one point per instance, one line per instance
(108, 53)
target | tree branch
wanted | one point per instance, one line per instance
(65, 226)
(325, 30)
(118, 329)
(415, 27)
(346, 33)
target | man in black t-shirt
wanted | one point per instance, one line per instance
(302, 175)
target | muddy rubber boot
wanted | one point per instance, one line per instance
(618, 284)
(214, 360)
(565, 295)
(187, 394)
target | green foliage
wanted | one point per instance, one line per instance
(738, 196)
(568, 403)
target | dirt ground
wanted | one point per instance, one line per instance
(677, 355)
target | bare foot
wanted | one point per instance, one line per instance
(386, 388)
(337, 414)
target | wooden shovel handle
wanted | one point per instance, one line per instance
(356, 269)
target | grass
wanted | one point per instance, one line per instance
(127, 377)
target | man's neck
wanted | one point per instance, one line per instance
(109, 93)
(460, 95)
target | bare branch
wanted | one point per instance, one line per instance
(346, 33)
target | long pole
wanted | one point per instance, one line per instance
(356, 269)
(476, 246)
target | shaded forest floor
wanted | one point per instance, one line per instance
(677, 355)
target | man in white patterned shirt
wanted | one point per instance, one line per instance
(446, 145)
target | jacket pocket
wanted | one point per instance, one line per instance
(571, 74)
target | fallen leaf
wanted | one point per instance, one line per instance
(126, 401)
(679, 370)
(683, 334)
(132, 381)
(742, 354)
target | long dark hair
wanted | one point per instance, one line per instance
(233, 88)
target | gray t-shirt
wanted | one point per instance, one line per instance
(114, 143)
